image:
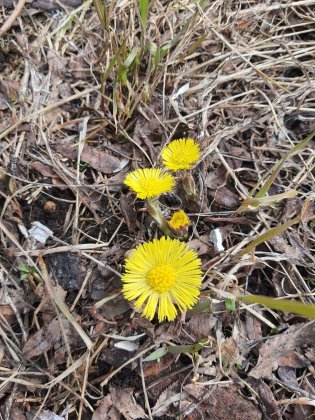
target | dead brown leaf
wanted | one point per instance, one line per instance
(225, 197)
(201, 247)
(155, 368)
(57, 65)
(128, 211)
(50, 336)
(79, 67)
(266, 398)
(124, 401)
(46, 171)
(165, 399)
(16, 413)
(42, 293)
(12, 300)
(145, 130)
(216, 178)
(286, 349)
(294, 253)
(200, 326)
(10, 89)
(97, 159)
(230, 353)
(106, 410)
(253, 326)
(235, 156)
(219, 403)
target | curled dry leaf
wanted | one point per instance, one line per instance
(201, 247)
(12, 300)
(216, 178)
(57, 65)
(46, 171)
(128, 212)
(49, 336)
(97, 159)
(267, 399)
(165, 399)
(225, 197)
(15, 413)
(230, 354)
(106, 410)
(286, 349)
(155, 368)
(200, 326)
(124, 401)
(10, 89)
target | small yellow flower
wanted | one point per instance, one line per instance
(160, 274)
(180, 154)
(179, 220)
(149, 182)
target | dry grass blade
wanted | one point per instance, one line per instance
(251, 203)
(61, 305)
(276, 169)
(16, 13)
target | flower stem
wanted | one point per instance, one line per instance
(157, 215)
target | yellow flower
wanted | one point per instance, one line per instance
(180, 154)
(160, 274)
(179, 220)
(149, 182)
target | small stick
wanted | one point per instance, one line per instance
(14, 15)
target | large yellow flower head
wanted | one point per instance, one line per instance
(180, 154)
(149, 182)
(160, 274)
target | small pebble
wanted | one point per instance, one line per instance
(50, 207)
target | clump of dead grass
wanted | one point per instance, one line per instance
(83, 102)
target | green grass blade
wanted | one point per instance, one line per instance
(190, 348)
(100, 7)
(277, 167)
(156, 354)
(144, 11)
(268, 235)
(298, 308)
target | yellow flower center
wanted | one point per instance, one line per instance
(161, 278)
